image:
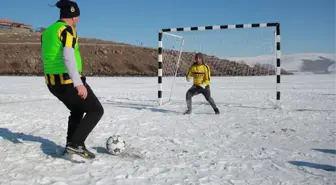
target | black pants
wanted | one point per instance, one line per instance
(79, 126)
(195, 90)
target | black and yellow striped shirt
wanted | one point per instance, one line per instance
(200, 74)
(68, 36)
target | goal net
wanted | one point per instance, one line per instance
(244, 63)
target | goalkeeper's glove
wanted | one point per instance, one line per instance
(188, 79)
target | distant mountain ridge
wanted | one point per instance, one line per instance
(316, 63)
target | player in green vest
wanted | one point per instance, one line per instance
(62, 65)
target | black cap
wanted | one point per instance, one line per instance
(68, 9)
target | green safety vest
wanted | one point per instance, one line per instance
(52, 51)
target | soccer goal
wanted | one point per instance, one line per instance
(229, 74)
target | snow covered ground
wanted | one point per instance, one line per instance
(248, 143)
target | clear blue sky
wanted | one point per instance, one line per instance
(306, 25)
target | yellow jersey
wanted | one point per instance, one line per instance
(200, 74)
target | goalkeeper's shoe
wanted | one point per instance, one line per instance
(187, 112)
(216, 111)
(80, 150)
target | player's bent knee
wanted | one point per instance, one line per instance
(100, 110)
(97, 113)
(188, 96)
(95, 107)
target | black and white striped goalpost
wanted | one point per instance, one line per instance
(223, 27)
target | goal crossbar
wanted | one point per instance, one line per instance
(222, 27)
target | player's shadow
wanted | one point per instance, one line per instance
(48, 147)
(100, 150)
(325, 167)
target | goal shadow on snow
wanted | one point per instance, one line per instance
(329, 151)
(152, 109)
(325, 167)
(272, 107)
(48, 147)
(140, 105)
(182, 103)
(312, 110)
(239, 105)
(127, 101)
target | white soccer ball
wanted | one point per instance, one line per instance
(115, 144)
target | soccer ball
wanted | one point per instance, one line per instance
(115, 145)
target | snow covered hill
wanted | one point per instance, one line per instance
(304, 62)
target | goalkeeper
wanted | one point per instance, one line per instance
(200, 72)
